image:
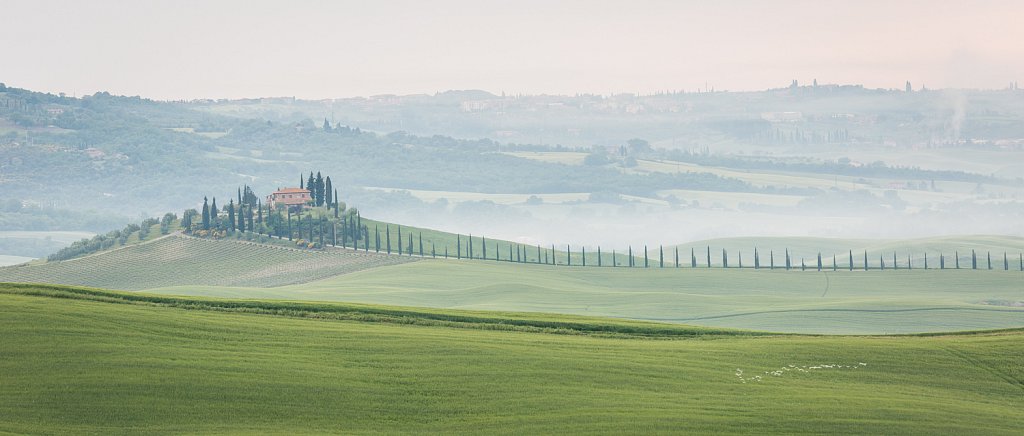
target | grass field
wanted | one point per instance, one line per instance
(90, 362)
(859, 302)
(841, 302)
(181, 260)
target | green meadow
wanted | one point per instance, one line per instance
(84, 361)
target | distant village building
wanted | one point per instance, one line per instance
(289, 197)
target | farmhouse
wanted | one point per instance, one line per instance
(289, 197)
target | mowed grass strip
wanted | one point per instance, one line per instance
(85, 366)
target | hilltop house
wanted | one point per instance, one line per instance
(289, 197)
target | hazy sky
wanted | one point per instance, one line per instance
(319, 49)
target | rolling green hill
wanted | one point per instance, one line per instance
(99, 362)
(858, 302)
(841, 302)
(182, 260)
(808, 249)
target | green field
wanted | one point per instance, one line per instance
(178, 260)
(859, 302)
(94, 362)
(827, 302)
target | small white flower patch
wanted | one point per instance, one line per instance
(793, 368)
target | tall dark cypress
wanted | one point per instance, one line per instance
(421, 244)
(458, 246)
(408, 248)
(757, 259)
(483, 248)
(599, 255)
(568, 255)
(329, 198)
(677, 256)
(865, 260)
(630, 256)
(645, 257)
(693, 258)
(231, 215)
(470, 245)
(709, 256)
(974, 259)
(989, 257)
(206, 215)
(214, 214)
(819, 261)
(851, 260)
(301, 182)
(399, 240)
(1006, 262)
(788, 262)
(725, 259)
(661, 256)
(376, 238)
(387, 237)
(956, 255)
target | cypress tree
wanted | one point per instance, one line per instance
(881, 262)
(584, 255)
(259, 211)
(661, 256)
(470, 244)
(538, 254)
(989, 256)
(376, 239)
(206, 215)
(231, 214)
(311, 187)
(329, 199)
(409, 247)
(803, 266)
(910, 262)
(458, 246)
(239, 197)
(709, 256)
(319, 187)
(344, 233)
(301, 181)
(399, 240)
(445, 251)
(615, 262)
(387, 236)
(771, 258)
(677, 256)
(788, 264)
(819, 261)
(974, 259)
(865, 260)
(214, 214)
(926, 260)
(510, 256)
(834, 266)
(851, 260)
(956, 254)
(725, 259)
(599, 256)
(321, 234)
(568, 255)
(421, 244)
(739, 256)
(483, 245)
(289, 223)
(241, 219)
(757, 259)
(433, 252)
(630, 256)
(1006, 262)
(309, 220)
(693, 258)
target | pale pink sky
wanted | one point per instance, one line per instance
(320, 49)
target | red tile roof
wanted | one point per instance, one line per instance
(292, 191)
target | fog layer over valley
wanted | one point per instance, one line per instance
(803, 160)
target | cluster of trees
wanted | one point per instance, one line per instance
(99, 242)
(320, 189)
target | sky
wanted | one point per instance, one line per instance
(187, 49)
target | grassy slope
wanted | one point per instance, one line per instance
(810, 302)
(71, 365)
(809, 248)
(181, 260)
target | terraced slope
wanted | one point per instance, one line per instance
(181, 260)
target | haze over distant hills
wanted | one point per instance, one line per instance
(810, 159)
